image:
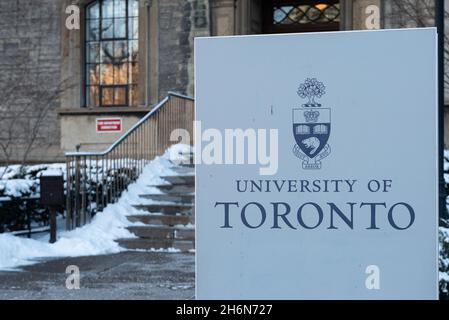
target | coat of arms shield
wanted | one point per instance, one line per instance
(311, 126)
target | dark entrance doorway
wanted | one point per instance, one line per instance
(287, 16)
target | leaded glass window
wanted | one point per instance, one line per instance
(112, 53)
(302, 15)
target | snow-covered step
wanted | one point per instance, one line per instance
(176, 188)
(163, 232)
(167, 208)
(177, 198)
(158, 219)
(180, 179)
(172, 214)
(148, 244)
(184, 170)
(189, 164)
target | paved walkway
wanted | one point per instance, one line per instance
(127, 275)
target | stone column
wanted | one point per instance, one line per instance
(346, 14)
(143, 51)
(200, 27)
(248, 15)
(72, 59)
(148, 52)
(223, 17)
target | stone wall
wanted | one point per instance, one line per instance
(179, 22)
(36, 60)
(29, 79)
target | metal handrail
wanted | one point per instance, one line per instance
(95, 179)
(148, 115)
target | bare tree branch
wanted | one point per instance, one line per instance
(27, 96)
(418, 13)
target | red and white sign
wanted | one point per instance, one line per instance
(109, 125)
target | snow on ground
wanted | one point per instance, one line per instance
(97, 237)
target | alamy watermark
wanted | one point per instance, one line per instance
(233, 146)
(372, 282)
(72, 282)
(372, 21)
(72, 22)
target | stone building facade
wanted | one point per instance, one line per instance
(30, 63)
(126, 55)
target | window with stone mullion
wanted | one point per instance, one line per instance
(111, 53)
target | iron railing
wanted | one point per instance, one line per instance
(95, 179)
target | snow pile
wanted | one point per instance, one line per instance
(17, 181)
(444, 260)
(16, 188)
(181, 154)
(444, 237)
(30, 172)
(98, 236)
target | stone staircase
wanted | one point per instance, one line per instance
(171, 216)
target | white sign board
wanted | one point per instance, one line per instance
(335, 193)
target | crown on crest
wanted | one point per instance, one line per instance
(311, 115)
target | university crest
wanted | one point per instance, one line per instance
(311, 126)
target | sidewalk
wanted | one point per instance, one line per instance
(127, 275)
